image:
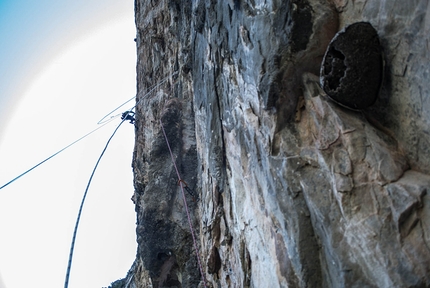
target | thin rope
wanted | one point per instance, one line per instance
(102, 122)
(55, 154)
(181, 183)
(151, 89)
(72, 246)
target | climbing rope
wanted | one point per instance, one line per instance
(55, 154)
(181, 183)
(102, 122)
(152, 89)
(124, 118)
(72, 246)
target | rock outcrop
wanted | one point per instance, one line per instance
(293, 189)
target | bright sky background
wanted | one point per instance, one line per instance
(63, 66)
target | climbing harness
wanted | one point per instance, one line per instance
(182, 185)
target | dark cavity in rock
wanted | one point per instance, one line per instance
(352, 67)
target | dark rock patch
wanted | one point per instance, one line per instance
(352, 68)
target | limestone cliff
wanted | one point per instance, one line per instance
(294, 190)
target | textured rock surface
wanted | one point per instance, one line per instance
(295, 191)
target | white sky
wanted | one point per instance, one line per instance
(62, 102)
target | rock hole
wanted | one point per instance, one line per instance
(335, 68)
(214, 261)
(230, 14)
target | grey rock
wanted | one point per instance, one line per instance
(294, 190)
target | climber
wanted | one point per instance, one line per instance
(128, 115)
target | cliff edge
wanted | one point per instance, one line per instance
(291, 189)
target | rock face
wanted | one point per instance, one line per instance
(294, 190)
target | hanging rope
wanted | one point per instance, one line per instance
(103, 122)
(72, 246)
(124, 118)
(181, 183)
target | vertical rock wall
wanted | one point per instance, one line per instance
(294, 190)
